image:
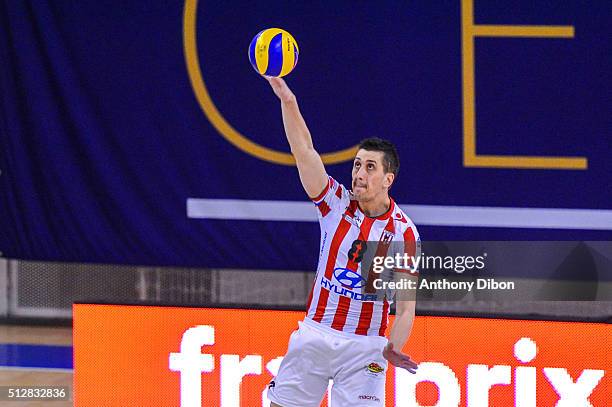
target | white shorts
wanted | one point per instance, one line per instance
(318, 353)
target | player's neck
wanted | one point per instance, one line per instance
(376, 207)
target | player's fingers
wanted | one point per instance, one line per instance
(409, 366)
(274, 82)
(406, 357)
(412, 363)
(408, 361)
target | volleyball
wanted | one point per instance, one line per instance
(273, 52)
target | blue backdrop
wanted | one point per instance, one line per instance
(103, 137)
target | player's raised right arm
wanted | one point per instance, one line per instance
(309, 163)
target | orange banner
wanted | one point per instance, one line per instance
(175, 356)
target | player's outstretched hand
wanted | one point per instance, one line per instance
(281, 89)
(398, 359)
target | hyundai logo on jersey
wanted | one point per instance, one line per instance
(348, 278)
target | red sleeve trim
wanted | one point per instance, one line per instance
(324, 208)
(339, 192)
(319, 197)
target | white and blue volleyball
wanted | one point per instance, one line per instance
(273, 52)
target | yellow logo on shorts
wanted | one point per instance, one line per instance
(374, 368)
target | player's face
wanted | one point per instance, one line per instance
(369, 177)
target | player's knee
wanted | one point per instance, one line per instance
(273, 404)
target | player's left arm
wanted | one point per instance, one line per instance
(400, 332)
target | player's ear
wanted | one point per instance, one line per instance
(388, 180)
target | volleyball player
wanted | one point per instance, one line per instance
(342, 336)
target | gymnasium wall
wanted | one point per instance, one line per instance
(139, 133)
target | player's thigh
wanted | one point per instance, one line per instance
(303, 375)
(361, 379)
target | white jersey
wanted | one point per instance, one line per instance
(344, 229)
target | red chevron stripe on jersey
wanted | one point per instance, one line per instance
(351, 264)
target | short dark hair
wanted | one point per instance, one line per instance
(390, 156)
